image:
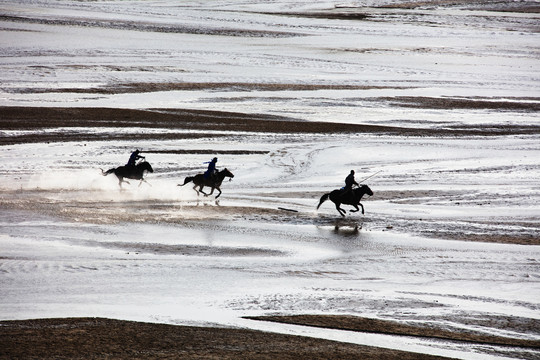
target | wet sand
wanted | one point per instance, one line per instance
(30, 125)
(107, 338)
(36, 118)
(355, 323)
(91, 338)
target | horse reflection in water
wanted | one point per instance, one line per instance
(213, 182)
(130, 172)
(347, 228)
(352, 197)
(341, 230)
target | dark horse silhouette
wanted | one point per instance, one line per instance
(351, 198)
(200, 181)
(130, 172)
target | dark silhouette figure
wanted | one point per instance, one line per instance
(214, 181)
(134, 157)
(135, 172)
(349, 182)
(211, 171)
(352, 198)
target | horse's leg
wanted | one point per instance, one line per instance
(362, 206)
(356, 208)
(341, 211)
(195, 188)
(120, 180)
(144, 181)
(201, 190)
(218, 189)
(211, 192)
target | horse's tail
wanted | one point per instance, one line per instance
(186, 180)
(323, 199)
(105, 173)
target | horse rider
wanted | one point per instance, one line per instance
(133, 158)
(211, 171)
(349, 182)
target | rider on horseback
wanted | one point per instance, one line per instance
(133, 158)
(211, 172)
(349, 182)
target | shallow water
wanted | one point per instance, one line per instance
(450, 237)
(74, 244)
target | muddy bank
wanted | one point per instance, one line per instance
(34, 119)
(147, 27)
(140, 87)
(354, 323)
(90, 338)
(505, 6)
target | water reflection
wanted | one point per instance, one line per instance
(347, 228)
(343, 228)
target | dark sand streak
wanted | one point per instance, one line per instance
(92, 338)
(35, 118)
(354, 323)
(148, 27)
(143, 87)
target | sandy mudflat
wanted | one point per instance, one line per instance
(96, 338)
(32, 118)
(433, 103)
(355, 323)
(108, 338)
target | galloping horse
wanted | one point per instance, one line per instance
(200, 181)
(135, 173)
(351, 198)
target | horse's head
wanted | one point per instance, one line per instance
(227, 173)
(366, 190)
(146, 166)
